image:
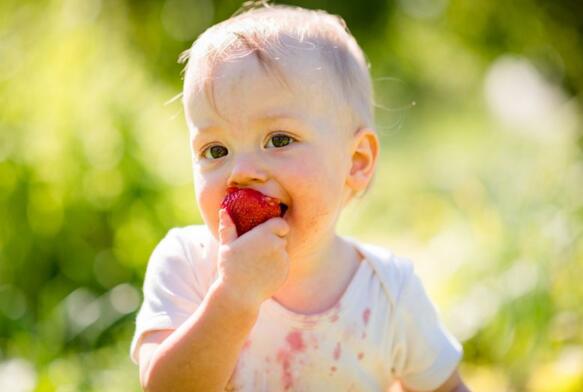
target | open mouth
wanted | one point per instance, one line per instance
(282, 209)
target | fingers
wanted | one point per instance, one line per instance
(278, 226)
(227, 229)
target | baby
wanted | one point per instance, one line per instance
(266, 296)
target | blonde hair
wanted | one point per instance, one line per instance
(266, 32)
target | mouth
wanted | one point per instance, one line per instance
(249, 207)
(282, 209)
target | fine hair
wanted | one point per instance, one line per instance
(270, 32)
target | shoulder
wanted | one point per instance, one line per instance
(189, 240)
(394, 272)
(188, 235)
(187, 246)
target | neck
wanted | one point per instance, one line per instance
(309, 262)
(318, 277)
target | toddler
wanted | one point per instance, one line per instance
(278, 102)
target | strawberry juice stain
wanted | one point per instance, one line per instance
(285, 356)
(366, 316)
(337, 351)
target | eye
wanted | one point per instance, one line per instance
(215, 152)
(279, 140)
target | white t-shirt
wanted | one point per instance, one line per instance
(383, 328)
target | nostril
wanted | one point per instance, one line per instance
(282, 208)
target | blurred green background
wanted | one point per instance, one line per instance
(480, 181)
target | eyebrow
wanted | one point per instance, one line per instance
(269, 117)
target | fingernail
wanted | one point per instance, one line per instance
(222, 216)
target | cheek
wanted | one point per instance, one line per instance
(208, 198)
(317, 189)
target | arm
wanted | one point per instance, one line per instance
(426, 356)
(201, 354)
(146, 348)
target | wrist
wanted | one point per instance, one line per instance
(235, 301)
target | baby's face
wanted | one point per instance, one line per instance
(290, 142)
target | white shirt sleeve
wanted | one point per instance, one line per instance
(171, 290)
(424, 354)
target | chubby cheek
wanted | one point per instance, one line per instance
(208, 197)
(316, 198)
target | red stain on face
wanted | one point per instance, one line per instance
(337, 351)
(366, 316)
(247, 344)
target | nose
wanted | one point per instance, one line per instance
(246, 169)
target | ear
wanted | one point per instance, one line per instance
(364, 154)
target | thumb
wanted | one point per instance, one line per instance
(227, 229)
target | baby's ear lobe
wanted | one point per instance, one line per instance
(364, 153)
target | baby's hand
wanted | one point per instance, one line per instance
(253, 266)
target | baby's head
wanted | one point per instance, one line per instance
(272, 35)
(279, 99)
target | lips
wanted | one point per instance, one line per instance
(249, 208)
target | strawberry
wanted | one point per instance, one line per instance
(249, 208)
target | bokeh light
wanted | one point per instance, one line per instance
(480, 181)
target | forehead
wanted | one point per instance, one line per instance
(299, 82)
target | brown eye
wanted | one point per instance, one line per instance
(215, 152)
(279, 140)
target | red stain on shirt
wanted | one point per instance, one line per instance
(366, 316)
(285, 356)
(296, 341)
(334, 318)
(247, 344)
(360, 356)
(314, 342)
(333, 368)
(337, 351)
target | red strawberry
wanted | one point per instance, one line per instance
(249, 208)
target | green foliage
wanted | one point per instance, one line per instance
(480, 181)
